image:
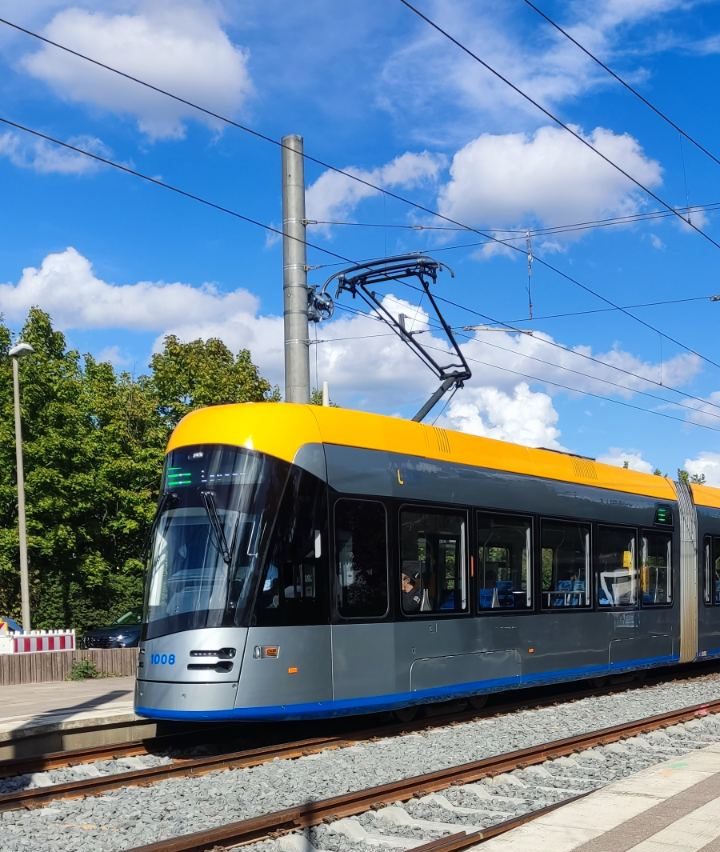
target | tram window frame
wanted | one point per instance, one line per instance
(501, 602)
(603, 590)
(642, 538)
(338, 579)
(294, 584)
(463, 574)
(561, 599)
(711, 581)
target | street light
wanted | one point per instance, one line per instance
(16, 353)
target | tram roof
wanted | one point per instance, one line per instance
(281, 429)
(705, 495)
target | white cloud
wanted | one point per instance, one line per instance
(634, 459)
(449, 94)
(66, 287)
(535, 355)
(707, 412)
(115, 356)
(707, 464)
(45, 158)
(656, 242)
(521, 415)
(179, 47)
(547, 177)
(365, 363)
(333, 196)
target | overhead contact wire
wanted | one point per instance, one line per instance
(171, 187)
(624, 83)
(558, 384)
(557, 120)
(389, 193)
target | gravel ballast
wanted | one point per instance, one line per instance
(138, 815)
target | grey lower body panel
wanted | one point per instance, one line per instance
(323, 670)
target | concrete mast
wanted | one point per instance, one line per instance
(295, 292)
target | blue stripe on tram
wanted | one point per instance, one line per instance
(379, 703)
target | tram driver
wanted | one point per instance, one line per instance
(411, 593)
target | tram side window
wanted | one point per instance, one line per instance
(565, 549)
(617, 575)
(432, 553)
(503, 566)
(294, 587)
(655, 573)
(712, 571)
(361, 558)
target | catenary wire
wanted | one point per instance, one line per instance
(622, 82)
(521, 233)
(567, 349)
(587, 393)
(556, 384)
(551, 364)
(234, 213)
(460, 333)
(557, 121)
(176, 189)
(354, 177)
(712, 298)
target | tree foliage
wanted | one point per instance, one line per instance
(690, 479)
(93, 443)
(190, 375)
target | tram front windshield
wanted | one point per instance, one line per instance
(206, 538)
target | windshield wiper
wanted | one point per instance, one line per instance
(208, 499)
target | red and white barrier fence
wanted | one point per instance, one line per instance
(37, 641)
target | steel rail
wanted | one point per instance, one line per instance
(249, 756)
(184, 737)
(469, 839)
(351, 804)
(37, 797)
(62, 759)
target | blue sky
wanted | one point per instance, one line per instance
(119, 263)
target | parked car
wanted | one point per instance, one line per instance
(124, 633)
(10, 623)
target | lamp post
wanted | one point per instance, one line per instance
(16, 353)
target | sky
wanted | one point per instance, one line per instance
(119, 263)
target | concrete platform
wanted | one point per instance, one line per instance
(671, 807)
(38, 718)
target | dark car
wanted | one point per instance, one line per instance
(125, 633)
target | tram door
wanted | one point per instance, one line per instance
(364, 642)
(288, 651)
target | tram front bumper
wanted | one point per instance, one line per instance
(190, 675)
(184, 701)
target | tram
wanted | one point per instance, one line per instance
(310, 562)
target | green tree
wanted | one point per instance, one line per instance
(316, 398)
(190, 375)
(58, 467)
(94, 443)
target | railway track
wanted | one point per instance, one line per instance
(40, 796)
(352, 804)
(438, 715)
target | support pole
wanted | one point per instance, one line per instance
(295, 292)
(24, 583)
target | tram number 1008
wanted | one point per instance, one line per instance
(163, 659)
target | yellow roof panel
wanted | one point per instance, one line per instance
(704, 495)
(280, 429)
